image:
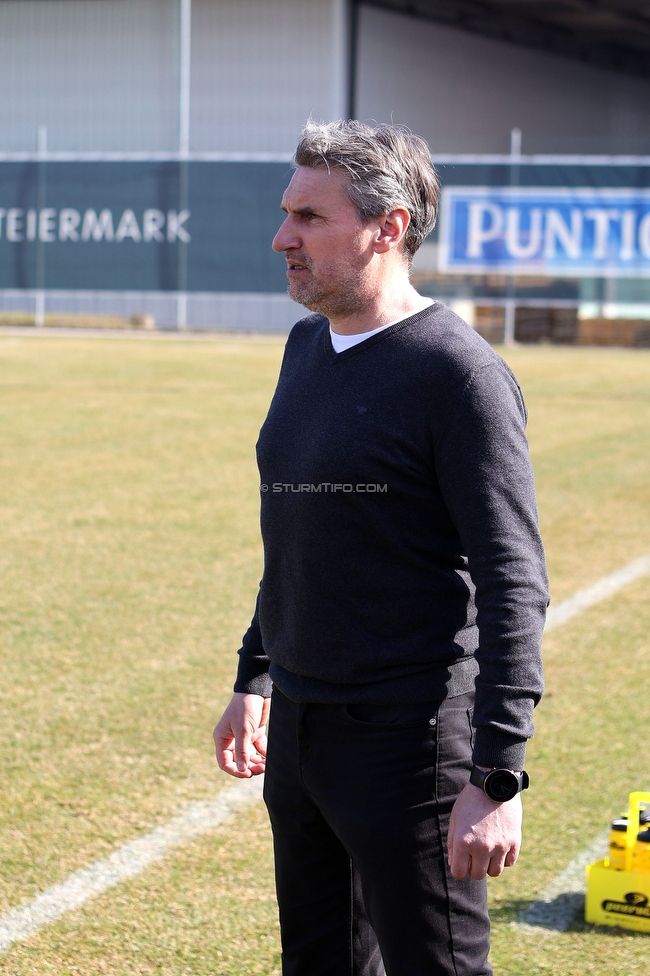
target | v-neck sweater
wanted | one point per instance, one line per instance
(402, 557)
(342, 342)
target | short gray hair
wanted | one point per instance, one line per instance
(388, 167)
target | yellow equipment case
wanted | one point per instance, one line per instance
(621, 897)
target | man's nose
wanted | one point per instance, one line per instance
(286, 238)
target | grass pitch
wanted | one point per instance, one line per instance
(130, 559)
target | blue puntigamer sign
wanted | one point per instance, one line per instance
(555, 232)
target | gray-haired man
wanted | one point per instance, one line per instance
(400, 614)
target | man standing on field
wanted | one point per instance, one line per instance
(399, 620)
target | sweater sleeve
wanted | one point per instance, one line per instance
(253, 668)
(486, 477)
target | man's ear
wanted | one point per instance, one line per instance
(391, 230)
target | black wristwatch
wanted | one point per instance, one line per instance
(500, 785)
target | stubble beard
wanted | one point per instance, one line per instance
(340, 296)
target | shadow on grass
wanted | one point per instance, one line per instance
(565, 913)
(562, 914)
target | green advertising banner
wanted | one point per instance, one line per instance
(159, 226)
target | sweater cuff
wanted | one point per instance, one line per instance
(498, 750)
(253, 678)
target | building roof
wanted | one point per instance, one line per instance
(612, 34)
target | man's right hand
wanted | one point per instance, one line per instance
(240, 736)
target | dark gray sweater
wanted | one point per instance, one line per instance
(402, 554)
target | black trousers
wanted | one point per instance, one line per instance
(359, 798)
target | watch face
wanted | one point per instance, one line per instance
(501, 785)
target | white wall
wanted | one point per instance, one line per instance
(261, 67)
(101, 74)
(464, 93)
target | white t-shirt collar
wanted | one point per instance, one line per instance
(342, 342)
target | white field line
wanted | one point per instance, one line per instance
(127, 861)
(594, 594)
(197, 818)
(561, 901)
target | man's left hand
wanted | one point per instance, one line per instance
(484, 836)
